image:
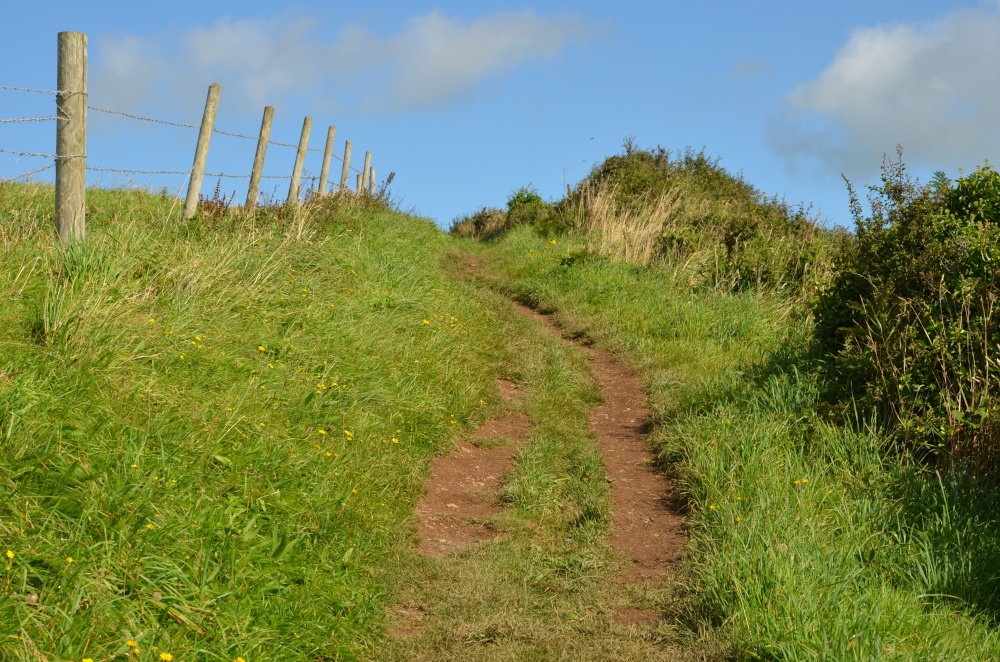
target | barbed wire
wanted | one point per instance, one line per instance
(14, 88)
(21, 120)
(131, 171)
(141, 118)
(42, 156)
(28, 174)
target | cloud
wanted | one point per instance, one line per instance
(433, 60)
(932, 87)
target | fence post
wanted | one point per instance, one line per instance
(358, 188)
(258, 159)
(346, 171)
(201, 151)
(371, 181)
(364, 172)
(324, 172)
(300, 157)
(71, 137)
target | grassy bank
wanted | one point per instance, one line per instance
(213, 433)
(810, 540)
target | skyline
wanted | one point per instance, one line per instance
(466, 106)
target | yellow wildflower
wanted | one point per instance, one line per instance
(69, 559)
(166, 657)
(10, 555)
(150, 527)
(322, 431)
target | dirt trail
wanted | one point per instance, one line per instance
(463, 487)
(644, 527)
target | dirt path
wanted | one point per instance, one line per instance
(463, 487)
(645, 527)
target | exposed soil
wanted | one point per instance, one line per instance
(644, 527)
(463, 487)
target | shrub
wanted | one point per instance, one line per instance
(907, 323)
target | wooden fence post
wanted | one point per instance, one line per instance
(346, 171)
(300, 157)
(71, 137)
(258, 159)
(358, 187)
(324, 172)
(371, 181)
(201, 151)
(364, 172)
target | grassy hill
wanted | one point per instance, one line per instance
(213, 433)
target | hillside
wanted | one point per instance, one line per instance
(254, 436)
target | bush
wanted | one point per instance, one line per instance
(907, 324)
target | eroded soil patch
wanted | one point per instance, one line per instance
(644, 526)
(463, 488)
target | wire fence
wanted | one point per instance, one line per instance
(141, 118)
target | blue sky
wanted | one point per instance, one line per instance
(467, 101)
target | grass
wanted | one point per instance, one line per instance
(213, 433)
(808, 539)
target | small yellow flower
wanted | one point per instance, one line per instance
(395, 441)
(711, 507)
(738, 520)
(69, 559)
(182, 356)
(10, 555)
(149, 527)
(329, 454)
(426, 322)
(166, 657)
(131, 643)
(261, 348)
(239, 659)
(322, 431)
(88, 659)
(151, 320)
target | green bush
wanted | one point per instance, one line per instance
(907, 324)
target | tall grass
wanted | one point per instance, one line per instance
(212, 433)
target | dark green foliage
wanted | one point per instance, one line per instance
(907, 321)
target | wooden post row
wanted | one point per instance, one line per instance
(300, 157)
(364, 172)
(346, 171)
(324, 172)
(71, 137)
(201, 151)
(258, 159)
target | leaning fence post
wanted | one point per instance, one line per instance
(300, 157)
(364, 171)
(258, 159)
(346, 171)
(201, 151)
(71, 137)
(324, 172)
(371, 181)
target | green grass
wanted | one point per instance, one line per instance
(224, 423)
(809, 540)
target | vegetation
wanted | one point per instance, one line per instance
(213, 433)
(686, 212)
(907, 323)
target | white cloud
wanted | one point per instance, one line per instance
(433, 60)
(934, 88)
